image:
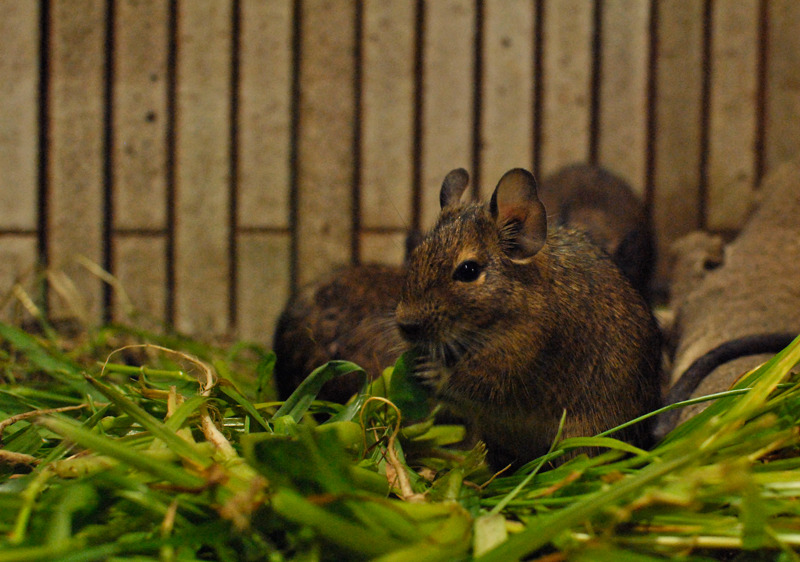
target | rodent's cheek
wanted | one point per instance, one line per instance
(485, 306)
(401, 310)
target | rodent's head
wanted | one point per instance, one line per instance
(465, 275)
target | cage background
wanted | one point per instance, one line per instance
(212, 155)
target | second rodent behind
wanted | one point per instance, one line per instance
(514, 323)
(603, 204)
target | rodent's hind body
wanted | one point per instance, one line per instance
(347, 314)
(603, 204)
(535, 332)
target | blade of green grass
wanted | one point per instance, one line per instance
(111, 448)
(297, 404)
(61, 449)
(154, 426)
(231, 392)
(548, 527)
(50, 361)
(334, 528)
(182, 412)
(407, 391)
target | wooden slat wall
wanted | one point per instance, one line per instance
(507, 89)
(733, 113)
(263, 165)
(447, 97)
(202, 258)
(140, 152)
(75, 167)
(19, 132)
(782, 79)
(680, 109)
(212, 155)
(622, 121)
(566, 89)
(387, 128)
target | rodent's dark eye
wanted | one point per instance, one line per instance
(467, 271)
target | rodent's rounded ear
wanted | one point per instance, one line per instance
(453, 187)
(519, 214)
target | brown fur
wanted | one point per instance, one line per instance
(548, 325)
(593, 199)
(347, 315)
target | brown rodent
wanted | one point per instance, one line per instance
(603, 204)
(346, 315)
(515, 323)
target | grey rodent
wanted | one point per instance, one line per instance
(746, 346)
(595, 200)
(345, 315)
(515, 323)
(735, 304)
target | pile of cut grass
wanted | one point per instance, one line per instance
(169, 449)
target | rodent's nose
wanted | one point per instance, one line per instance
(408, 323)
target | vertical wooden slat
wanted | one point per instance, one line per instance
(139, 154)
(566, 87)
(202, 178)
(732, 117)
(387, 123)
(263, 168)
(622, 141)
(387, 120)
(264, 120)
(326, 136)
(448, 84)
(140, 120)
(679, 95)
(140, 267)
(76, 135)
(264, 283)
(783, 83)
(18, 257)
(507, 89)
(19, 84)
